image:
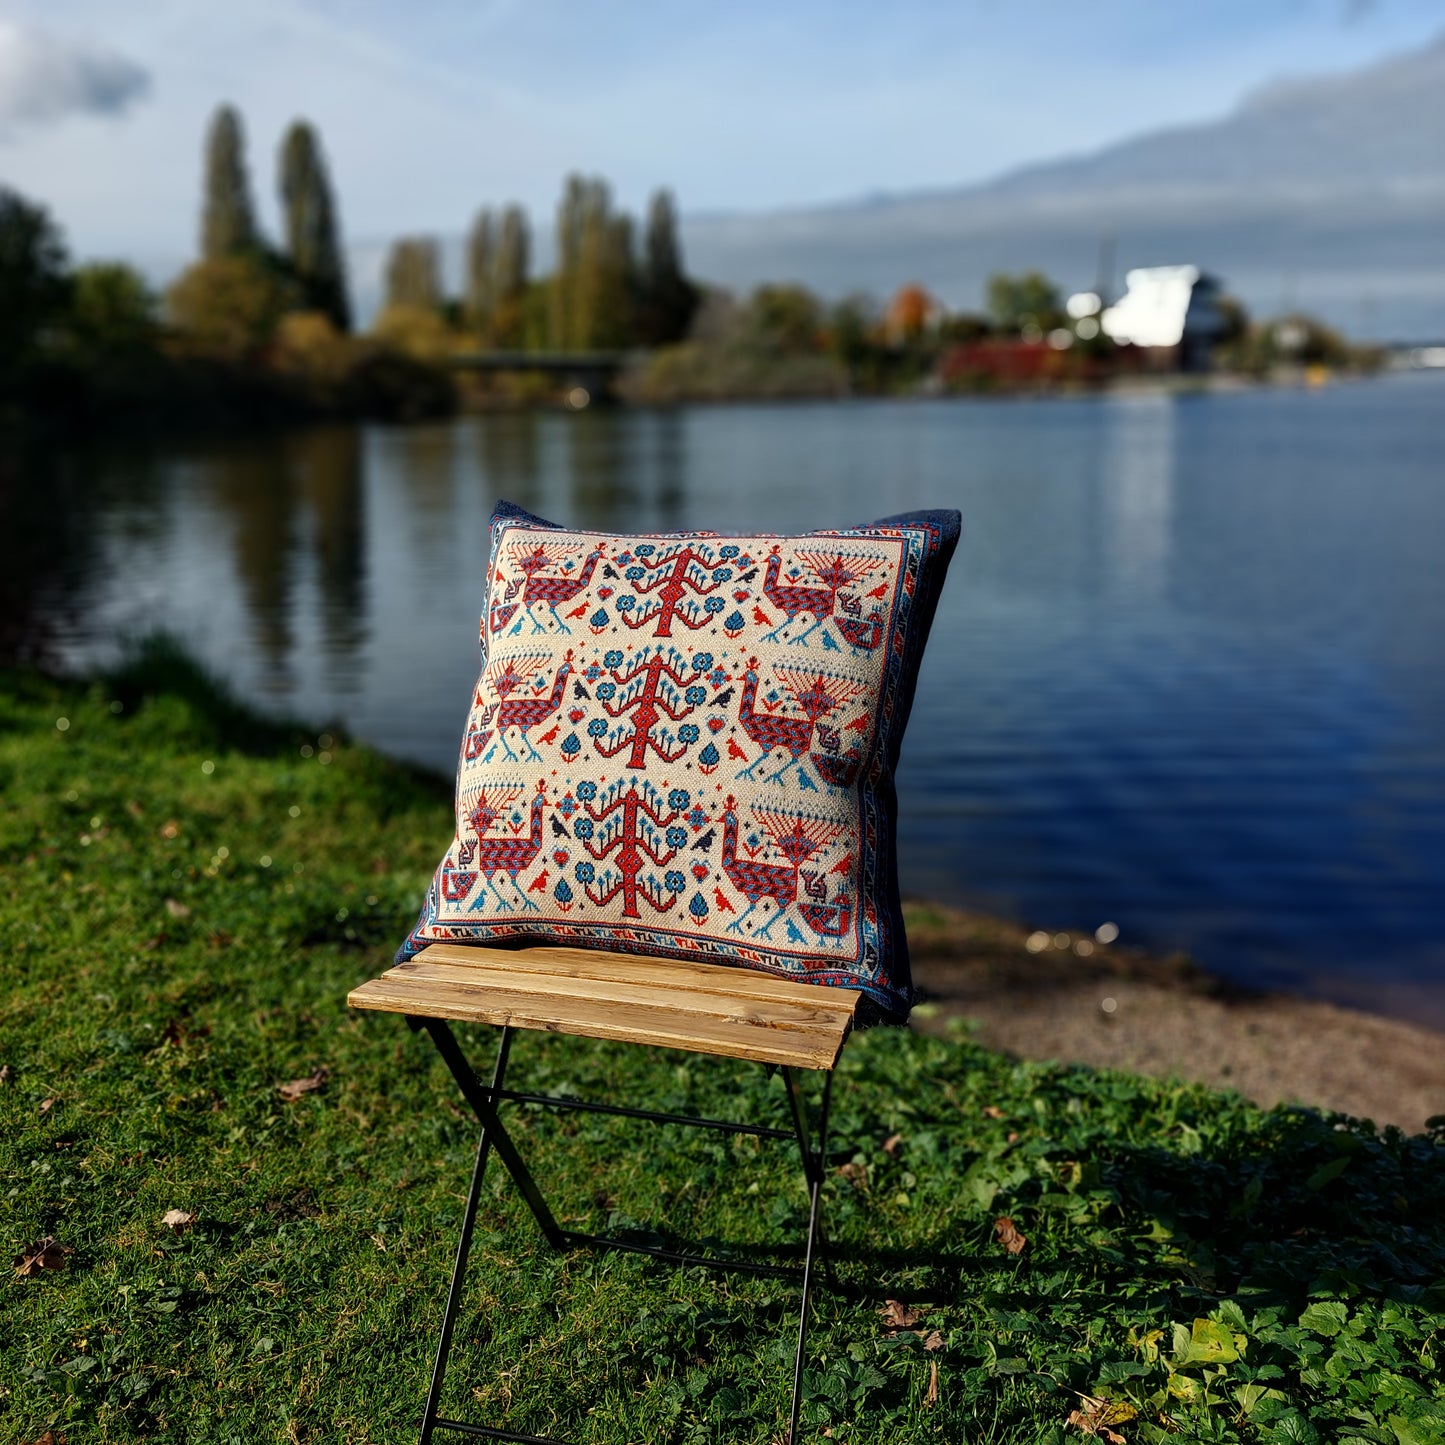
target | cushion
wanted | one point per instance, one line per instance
(684, 744)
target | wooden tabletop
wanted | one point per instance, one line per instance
(704, 1007)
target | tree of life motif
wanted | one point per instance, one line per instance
(635, 829)
(796, 836)
(655, 687)
(834, 571)
(688, 567)
(818, 694)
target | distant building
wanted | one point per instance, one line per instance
(1171, 310)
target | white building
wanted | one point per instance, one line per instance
(1168, 308)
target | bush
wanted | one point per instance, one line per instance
(229, 308)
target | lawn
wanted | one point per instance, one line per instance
(189, 894)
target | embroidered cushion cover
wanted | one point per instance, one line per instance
(684, 745)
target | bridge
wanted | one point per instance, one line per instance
(589, 372)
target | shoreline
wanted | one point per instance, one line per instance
(1123, 1008)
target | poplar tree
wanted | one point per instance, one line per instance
(413, 274)
(479, 303)
(668, 299)
(228, 219)
(593, 290)
(511, 278)
(313, 245)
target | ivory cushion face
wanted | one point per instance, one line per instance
(683, 745)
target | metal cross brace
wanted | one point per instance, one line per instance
(484, 1100)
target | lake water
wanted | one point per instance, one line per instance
(1186, 676)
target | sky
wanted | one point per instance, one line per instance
(429, 111)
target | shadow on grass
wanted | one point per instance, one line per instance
(159, 665)
(1304, 1205)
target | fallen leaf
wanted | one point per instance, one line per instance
(1096, 1416)
(1011, 1138)
(177, 909)
(934, 1342)
(897, 1315)
(51, 1437)
(855, 1174)
(891, 1143)
(170, 829)
(993, 1112)
(4, 1073)
(46, 1105)
(47, 1253)
(134, 808)
(931, 1398)
(177, 1031)
(178, 1219)
(294, 1089)
(1008, 1235)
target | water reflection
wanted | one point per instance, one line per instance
(1137, 492)
(327, 464)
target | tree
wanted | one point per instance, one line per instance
(313, 246)
(784, 320)
(111, 311)
(513, 262)
(668, 300)
(32, 278)
(413, 274)
(910, 313)
(1024, 303)
(479, 303)
(228, 219)
(594, 286)
(230, 307)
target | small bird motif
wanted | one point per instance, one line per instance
(880, 590)
(723, 698)
(851, 605)
(579, 611)
(761, 617)
(579, 691)
(734, 751)
(550, 736)
(559, 829)
(721, 900)
(814, 885)
(705, 842)
(539, 883)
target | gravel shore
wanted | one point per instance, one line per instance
(1075, 1000)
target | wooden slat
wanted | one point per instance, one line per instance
(585, 963)
(649, 1001)
(655, 992)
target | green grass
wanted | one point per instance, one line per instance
(178, 938)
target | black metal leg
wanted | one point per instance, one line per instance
(484, 1106)
(464, 1249)
(494, 1136)
(813, 1167)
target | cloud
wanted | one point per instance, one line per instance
(45, 77)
